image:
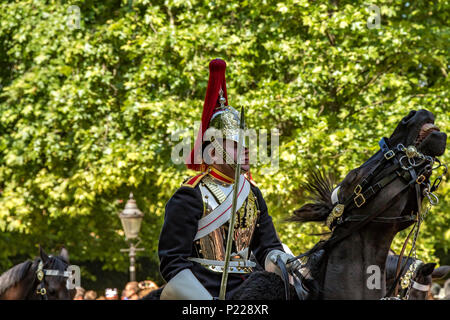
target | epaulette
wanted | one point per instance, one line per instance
(193, 181)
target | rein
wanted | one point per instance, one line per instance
(407, 283)
(402, 162)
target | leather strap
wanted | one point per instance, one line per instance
(335, 239)
(383, 219)
(302, 293)
(399, 271)
(420, 287)
(285, 277)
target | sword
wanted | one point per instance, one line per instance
(237, 175)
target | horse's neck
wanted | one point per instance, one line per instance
(356, 266)
(28, 285)
(22, 290)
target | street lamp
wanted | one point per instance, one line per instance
(131, 218)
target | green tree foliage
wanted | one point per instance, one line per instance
(87, 113)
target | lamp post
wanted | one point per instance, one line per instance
(131, 218)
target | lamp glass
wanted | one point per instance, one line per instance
(131, 226)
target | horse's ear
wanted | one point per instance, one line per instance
(427, 269)
(440, 272)
(44, 256)
(64, 254)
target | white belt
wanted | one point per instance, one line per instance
(235, 266)
(222, 213)
(219, 263)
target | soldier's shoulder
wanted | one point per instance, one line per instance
(250, 179)
(193, 181)
(186, 197)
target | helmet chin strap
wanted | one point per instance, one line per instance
(225, 155)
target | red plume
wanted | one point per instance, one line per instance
(216, 82)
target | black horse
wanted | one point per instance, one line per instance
(24, 282)
(380, 198)
(423, 276)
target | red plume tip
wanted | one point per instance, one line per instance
(216, 82)
(217, 65)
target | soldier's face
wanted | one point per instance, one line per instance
(216, 158)
(232, 148)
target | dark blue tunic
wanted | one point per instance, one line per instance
(176, 242)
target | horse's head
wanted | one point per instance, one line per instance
(414, 145)
(418, 129)
(382, 196)
(389, 185)
(422, 281)
(54, 281)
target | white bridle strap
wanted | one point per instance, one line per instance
(51, 272)
(334, 196)
(421, 287)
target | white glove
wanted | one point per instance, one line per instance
(271, 262)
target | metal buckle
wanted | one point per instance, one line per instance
(40, 271)
(389, 155)
(336, 213)
(420, 179)
(411, 152)
(358, 189)
(360, 195)
(338, 210)
(41, 291)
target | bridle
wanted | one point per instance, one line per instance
(406, 163)
(40, 275)
(407, 282)
(401, 162)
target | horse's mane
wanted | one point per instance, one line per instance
(14, 275)
(320, 187)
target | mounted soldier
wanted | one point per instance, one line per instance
(192, 244)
